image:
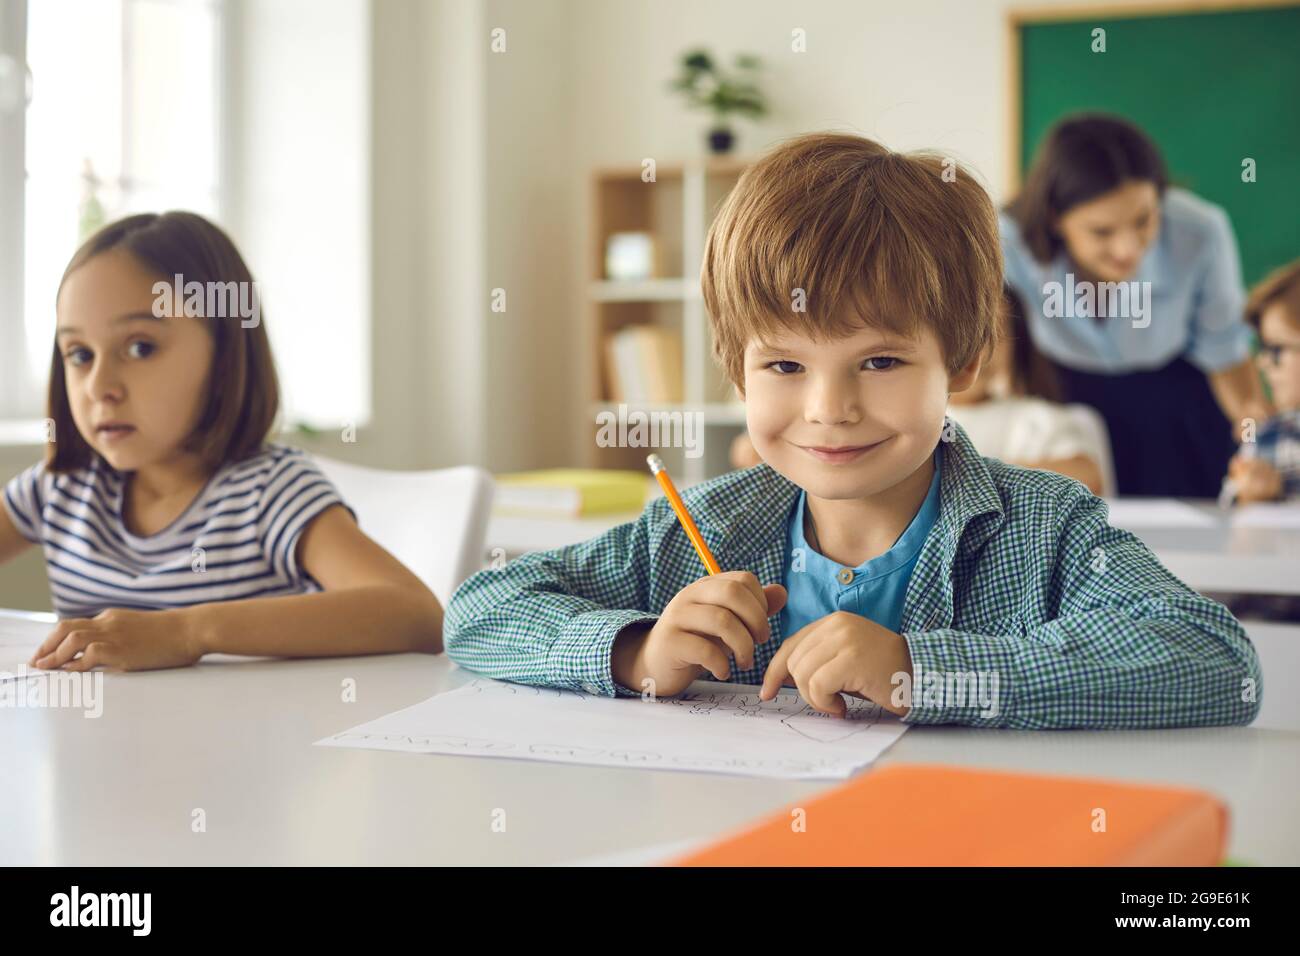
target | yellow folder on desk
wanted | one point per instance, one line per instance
(571, 492)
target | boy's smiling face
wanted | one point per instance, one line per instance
(849, 417)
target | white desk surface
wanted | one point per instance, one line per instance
(234, 737)
(1215, 557)
(1243, 560)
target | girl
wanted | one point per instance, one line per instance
(171, 528)
(1097, 213)
(1011, 413)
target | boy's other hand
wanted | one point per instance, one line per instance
(706, 623)
(841, 652)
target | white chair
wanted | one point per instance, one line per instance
(1094, 426)
(434, 522)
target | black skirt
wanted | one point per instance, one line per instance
(1168, 436)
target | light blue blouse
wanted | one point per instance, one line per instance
(817, 586)
(1196, 297)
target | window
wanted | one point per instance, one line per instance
(149, 105)
(123, 118)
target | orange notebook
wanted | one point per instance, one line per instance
(906, 815)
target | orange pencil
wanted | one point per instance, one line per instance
(661, 475)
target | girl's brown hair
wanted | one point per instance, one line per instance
(1031, 373)
(1083, 156)
(243, 391)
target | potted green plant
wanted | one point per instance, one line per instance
(724, 93)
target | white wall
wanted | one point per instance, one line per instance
(428, 225)
(476, 183)
(473, 188)
(299, 100)
(916, 74)
(534, 182)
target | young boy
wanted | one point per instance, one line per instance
(851, 289)
(1269, 467)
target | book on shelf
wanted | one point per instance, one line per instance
(645, 365)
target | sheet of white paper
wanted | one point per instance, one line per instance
(1133, 513)
(709, 732)
(1282, 515)
(21, 632)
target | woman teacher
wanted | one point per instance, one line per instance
(1133, 291)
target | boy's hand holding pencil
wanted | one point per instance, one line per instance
(720, 615)
(708, 621)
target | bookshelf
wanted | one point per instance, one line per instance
(675, 210)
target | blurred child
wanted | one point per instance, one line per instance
(171, 528)
(1269, 467)
(1011, 413)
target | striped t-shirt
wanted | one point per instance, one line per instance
(237, 539)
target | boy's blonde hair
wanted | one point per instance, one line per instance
(1280, 285)
(888, 240)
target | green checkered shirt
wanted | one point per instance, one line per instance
(1021, 575)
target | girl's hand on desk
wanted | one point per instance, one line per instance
(121, 640)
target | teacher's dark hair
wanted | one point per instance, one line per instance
(1083, 156)
(243, 390)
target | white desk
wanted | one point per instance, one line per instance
(1214, 557)
(1220, 555)
(233, 737)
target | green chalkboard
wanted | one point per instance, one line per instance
(1212, 89)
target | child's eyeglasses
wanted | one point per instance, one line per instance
(1273, 353)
